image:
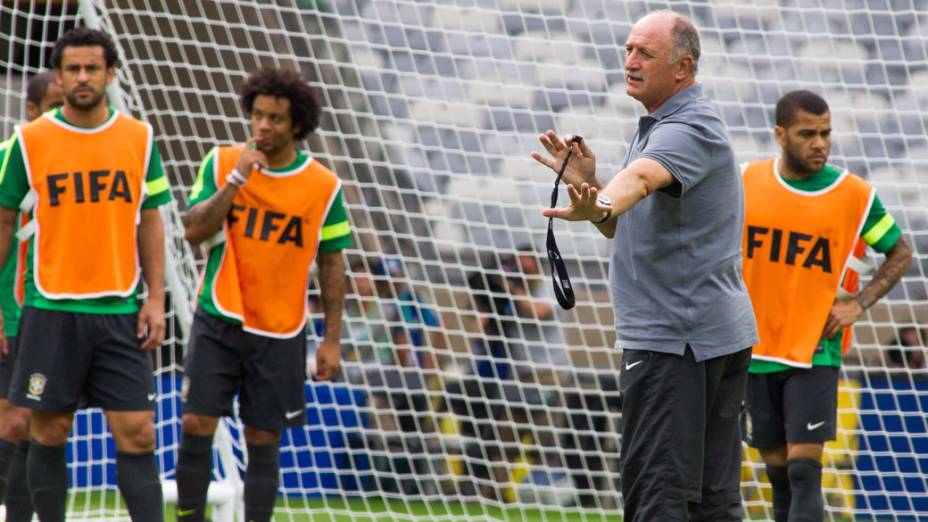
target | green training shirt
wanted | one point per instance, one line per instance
(336, 231)
(14, 185)
(8, 304)
(880, 231)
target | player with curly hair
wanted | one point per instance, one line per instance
(265, 211)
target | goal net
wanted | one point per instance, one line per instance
(466, 394)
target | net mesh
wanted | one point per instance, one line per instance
(465, 393)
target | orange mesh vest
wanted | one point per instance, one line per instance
(89, 186)
(796, 247)
(272, 235)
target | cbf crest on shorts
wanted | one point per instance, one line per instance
(37, 382)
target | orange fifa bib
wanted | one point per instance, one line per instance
(272, 234)
(850, 285)
(796, 248)
(88, 187)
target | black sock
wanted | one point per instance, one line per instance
(194, 471)
(261, 481)
(805, 481)
(779, 479)
(138, 481)
(47, 474)
(17, 500)
(6, 455)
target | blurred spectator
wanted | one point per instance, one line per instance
(367, 330)
(397, 323)
(495, 322)
(907, 350)
(543, 352)
(540, 357)
(519, 356)
(419, 324)
(394, 333)
(476, 398)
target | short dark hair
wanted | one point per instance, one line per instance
(795, 101)
(84, 37)
(38, 86)
(305, 109)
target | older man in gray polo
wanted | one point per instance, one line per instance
(683, 317)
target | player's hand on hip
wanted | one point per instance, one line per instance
(844, 312)
(583, 205)
(581, 168)
(151, 325)
(251, 159)
(328, 360)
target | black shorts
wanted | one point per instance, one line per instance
(68, 360)
(6, 367)
(269, 374)
(681, 443)
(795, 406)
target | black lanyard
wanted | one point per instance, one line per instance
(563, 290)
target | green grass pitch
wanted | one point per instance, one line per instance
(359, 510)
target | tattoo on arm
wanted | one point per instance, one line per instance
(332, 288)
(205, 219)
(888, 274)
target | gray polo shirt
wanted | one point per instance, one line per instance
(676, 261)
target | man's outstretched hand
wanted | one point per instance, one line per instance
(582, 165)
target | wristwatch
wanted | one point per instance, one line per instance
(604, 200)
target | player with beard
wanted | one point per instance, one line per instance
(90, 179)
(265, 210)
(42, 95)
(803, 219)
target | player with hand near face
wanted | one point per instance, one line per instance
(265, 211)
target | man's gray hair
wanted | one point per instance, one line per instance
(685, 38)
